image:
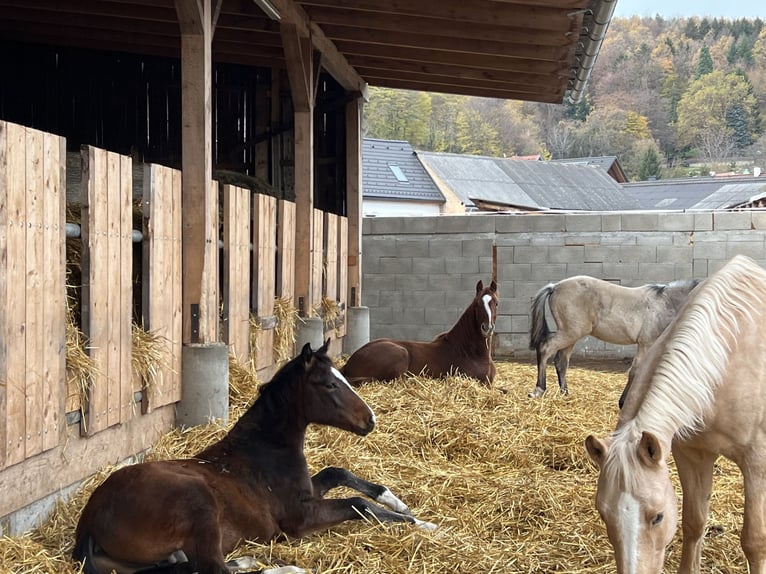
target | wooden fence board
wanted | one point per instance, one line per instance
(236, 273)
(342, 273)
(5, 221)
(264, 274)
(317, 261)
(34, 291)
(161, 277)
(285, 250)
(330, 268)
(54, 288)
(15, 343)
(126, 404)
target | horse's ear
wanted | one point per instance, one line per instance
(493, 286)
(596, 449)
(479, 287)
(323, 348)
(650, 451)
(306, 353)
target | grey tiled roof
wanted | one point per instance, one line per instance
(528, 184)
(732, 195)
(379, 180)
(672, 194)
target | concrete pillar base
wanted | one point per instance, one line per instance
(357, 328)
(205, 376)
(309, 330)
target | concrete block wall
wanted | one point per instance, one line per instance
(419, 274)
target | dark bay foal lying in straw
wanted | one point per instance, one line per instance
(254, 484)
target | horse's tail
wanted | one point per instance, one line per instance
(83, 553)
(539, 331)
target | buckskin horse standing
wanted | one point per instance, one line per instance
(700, 392)
(466, 348)
(253, 484)
(584, 305)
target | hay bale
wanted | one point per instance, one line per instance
(285, 329)
(505, 477)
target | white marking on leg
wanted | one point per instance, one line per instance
(629, 510)
(343, 379)
(430, 526)
(486, 299)
(387, 498)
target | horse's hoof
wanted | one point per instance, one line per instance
(537, 393)
(430, 526)
(387, 498)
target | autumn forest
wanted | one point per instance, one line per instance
(669, 97)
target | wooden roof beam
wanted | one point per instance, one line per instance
(418, 24)
(544, 96)
(332, 60)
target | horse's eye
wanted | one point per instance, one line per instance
(657, 519)
(330, 384)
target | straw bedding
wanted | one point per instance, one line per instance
(505, 477)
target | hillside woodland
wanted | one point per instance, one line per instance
(669, 97)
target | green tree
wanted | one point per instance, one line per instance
(650, 167)
(737, 121)
(704, 64)
(702, 113)
(475, 135)
(398, 115)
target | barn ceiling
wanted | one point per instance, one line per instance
(534, 50)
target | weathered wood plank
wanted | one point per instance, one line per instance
(5, 224)
(236, 273)
(285, 249)
(354, 201)
(317, 258)
(125, 374)
(34, 288)
(264, 272)
(95, 294)
(175, 336)
(15, 342)
(342, 267)
(111, 284)
(54, 288)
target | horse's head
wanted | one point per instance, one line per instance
(636, 500)
(485, 304)
(328, 399)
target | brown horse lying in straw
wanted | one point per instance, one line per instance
(583, 305)
(701, 392)
(253, 484)
(466, 348)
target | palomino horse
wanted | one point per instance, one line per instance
(701, 392)
(585, 305)
(253, 484)
(466, 348)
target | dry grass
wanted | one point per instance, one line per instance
(505, 477)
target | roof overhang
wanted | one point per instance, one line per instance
(534, 50)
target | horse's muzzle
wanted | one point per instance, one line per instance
(486, 330)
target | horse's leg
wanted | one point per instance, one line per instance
(695, 470)
(561, 361)
(753, 537)
(542, 364)
(324, 513)
(332, 477)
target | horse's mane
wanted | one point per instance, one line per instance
(693, 361)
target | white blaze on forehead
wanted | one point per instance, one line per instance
(343, 379)
(486, 299)
(629, 514)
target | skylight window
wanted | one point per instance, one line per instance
(398, 173)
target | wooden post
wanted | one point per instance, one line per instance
(298, 54)
(200, 237)
(354, 200)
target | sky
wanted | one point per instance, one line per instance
(671, 8)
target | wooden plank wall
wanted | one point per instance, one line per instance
(32, 276)
(264, 275)
(330, 279)
(162, 301)
(342, 296)
(106, 220)
(236, 271)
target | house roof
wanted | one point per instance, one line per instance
(534, 50)
(681, 194)
(527, 184)
(609, 163)
(732, 195)
(380, 181)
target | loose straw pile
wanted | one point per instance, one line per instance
(504, 476)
